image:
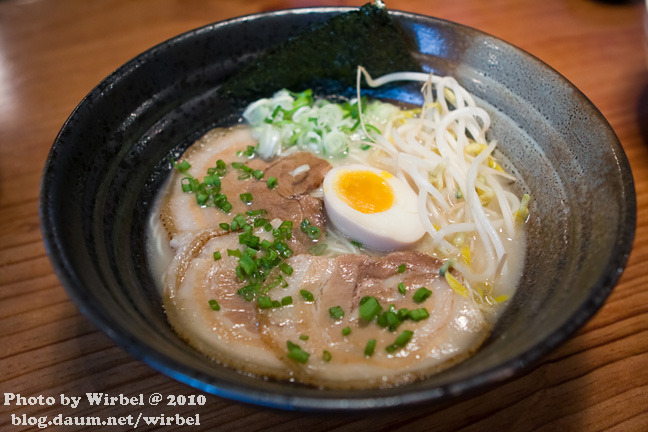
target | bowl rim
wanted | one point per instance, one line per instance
(496, 375)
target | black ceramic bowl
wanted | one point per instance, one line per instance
(113, 153)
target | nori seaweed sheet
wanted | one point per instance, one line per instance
(331, 50)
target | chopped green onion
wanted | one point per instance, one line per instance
(256, 212)
(213, 304)
(356, 243)
(246, 197)
(272, 182)
(238, 222)
(326, 356)
(336, 312)
(285, 268)
(286, 301)
(392, 319)
(346, 331)
(264, 302)
(401, 340)
(370, 347)
(402, 268)
(257, 174)
(260, 222)
(224, 226)
(307, 295)
(234, 252)
(311, 231)
(247, 264)
(183, 166)
(421, 295)
(296, 353)
(303, 337)
(202, 198)
(401, 288)
(249, 240)
(217, 256)
(369, 308)
(249, 151)
(418, 314)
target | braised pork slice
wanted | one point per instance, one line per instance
(289, 200)
(453, 330)
(229, 335)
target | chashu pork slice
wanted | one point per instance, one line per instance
(454, 329)
(297, 174)
(230, 335)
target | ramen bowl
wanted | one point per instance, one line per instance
(112, 156)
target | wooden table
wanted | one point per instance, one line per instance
(53, 52)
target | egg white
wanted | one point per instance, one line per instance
(395, 228)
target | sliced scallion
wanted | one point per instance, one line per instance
(421, 295)
(336, 312)
(370, 347)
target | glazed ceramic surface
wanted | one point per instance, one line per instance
(113, 154)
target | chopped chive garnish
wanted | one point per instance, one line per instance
(246, 197)
(296, 353)
(402, 268)
(260, 222)
(286, 301)
(418, 314)
(369, 308)
(326, 356)
(356, 243)
(307, 295)
(285, 268)
(224, 226)
(346, 331)
(217, 256)
(272, 182)
(401, 340)
(249, 151)
(421, 295)
(303, 337)
(370, 347)
(336, 312)
(311, 231)
(401, 288)
(234, 252)
(264, 302)
(183, 166)
(256, 212)
(257, 174)
(392, 319)
(247, 264)
(213, 304)
(201, 198)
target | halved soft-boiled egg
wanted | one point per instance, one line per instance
(372, 206)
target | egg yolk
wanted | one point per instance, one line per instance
(365, 191)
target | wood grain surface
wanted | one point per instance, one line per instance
(53, 52)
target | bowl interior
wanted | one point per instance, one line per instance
(112, 156)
